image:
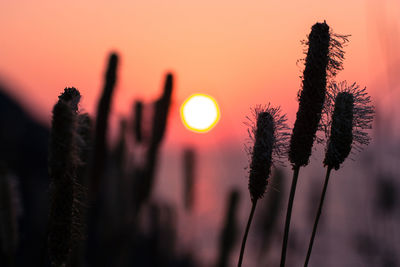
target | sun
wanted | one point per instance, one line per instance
(200, 113)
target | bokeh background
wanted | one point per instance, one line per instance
(243, 54)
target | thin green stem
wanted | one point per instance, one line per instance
(328, 172)
(253, 208)
(296, 170)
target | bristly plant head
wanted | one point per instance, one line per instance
(323, 60)
(162, 106)
(71, 96)
(347, 116)
(137, 122)
(269, 138)
(341, 137)
(64, 218)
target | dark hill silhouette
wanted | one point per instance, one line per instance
(23, 150)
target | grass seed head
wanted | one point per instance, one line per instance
(269, 140)
(341, 138)
(64, 160)
(323, 60)
(347, 116)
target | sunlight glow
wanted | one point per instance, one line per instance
(200, 113)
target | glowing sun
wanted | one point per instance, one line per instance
(200, 113)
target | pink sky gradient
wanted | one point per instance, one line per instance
(242, 53)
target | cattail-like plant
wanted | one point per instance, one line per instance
(269, 141)
(8, 219)
(64, 226)
(189, 171)
(84, 146)
(145, 176)
(229, 233)
(84, 142)
(269, 220)
(323, 59)
(119, 152)
(103, 112)
(352, 114)
(137, 121)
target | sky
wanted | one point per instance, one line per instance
(241, 53)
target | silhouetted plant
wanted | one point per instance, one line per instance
(229, 232)
(269, 137)
(103, 112)
(65, 223)
(8, 219)
(84, 142)
(84, 145)
(269, 219)
(145, 176)
(137, 121)
(352, 114)
(387, 196)
(189, 169)
(119, 153)
(323, 60)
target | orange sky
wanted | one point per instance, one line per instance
(241, 52)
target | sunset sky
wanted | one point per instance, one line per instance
(242, 53)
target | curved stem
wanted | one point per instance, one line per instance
(289, 214)
(328, 172)
(253, 208)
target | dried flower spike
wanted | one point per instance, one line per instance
(228, 235)
(351, 114)
(189, 171)
(101, 125)
(345, 125)
(269, 137)
(137, 122)
(323, 60)
(63, 163)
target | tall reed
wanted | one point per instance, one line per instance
(269, 220)
(64, 225)
(352, 114)
(84, 145)
(85, 142)
(324, 58)
(229, 231)
(8, 219)
(138, 121)
(103, 112)
(189, 170)
(269, 139)
(145, 176)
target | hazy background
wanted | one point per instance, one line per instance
(241, 53)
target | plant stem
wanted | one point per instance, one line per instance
(328, 172)
(296, 170)
(253, 208)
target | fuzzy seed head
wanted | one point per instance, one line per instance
(341, 138)
(311, 99)
(347, 115)
(269, 138)
(71, 96)
(63, 226)
(260, 167)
